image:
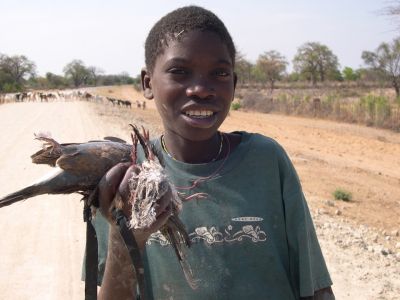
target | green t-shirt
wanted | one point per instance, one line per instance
(253, 237)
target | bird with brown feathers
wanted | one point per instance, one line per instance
(79, 168)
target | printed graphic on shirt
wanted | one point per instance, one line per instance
(234, 232)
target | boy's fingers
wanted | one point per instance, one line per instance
(109, 184)
(124, 185)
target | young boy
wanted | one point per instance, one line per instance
(253, 236)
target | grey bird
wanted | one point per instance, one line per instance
(79, 167)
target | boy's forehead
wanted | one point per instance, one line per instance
(194, 43)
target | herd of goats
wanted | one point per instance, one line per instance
(66, 95)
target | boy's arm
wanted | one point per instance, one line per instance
(323, 294)
(119, 277)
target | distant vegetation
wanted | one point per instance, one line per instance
(317, 86)
(18, 73)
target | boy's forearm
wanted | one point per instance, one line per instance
(119, 276)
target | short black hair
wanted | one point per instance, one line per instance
(179, 22)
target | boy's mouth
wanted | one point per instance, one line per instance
(199, 114)
(200, 118)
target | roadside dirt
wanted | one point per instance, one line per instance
(42, 243)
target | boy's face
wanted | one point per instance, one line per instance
(193, 84)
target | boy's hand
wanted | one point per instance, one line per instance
(114, 186)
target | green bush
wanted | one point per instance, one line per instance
(377, 108)
(343, 195)
(235, 106)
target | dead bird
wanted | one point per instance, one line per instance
(148, 184)
(79, 167)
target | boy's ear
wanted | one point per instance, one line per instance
(146, 84)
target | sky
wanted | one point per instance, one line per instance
(110, 35)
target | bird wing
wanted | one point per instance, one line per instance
(93, 158)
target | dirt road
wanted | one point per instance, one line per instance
(42, 240)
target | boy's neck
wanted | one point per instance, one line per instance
(194, 152)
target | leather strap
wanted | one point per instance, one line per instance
(91, 265)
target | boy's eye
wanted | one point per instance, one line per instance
(178, 71)
(222, 73)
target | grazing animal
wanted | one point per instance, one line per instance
(87, 96)
(128, 103)
(111, 100)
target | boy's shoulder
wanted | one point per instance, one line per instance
(260, 142)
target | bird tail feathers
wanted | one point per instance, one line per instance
(23, 194)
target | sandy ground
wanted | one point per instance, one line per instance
(43, 238)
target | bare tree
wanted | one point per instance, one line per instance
(386, 60)
(393, 11)
(94, 74)
(271, 66)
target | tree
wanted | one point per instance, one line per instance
(16, 69)
(393, 11)
(55, 81)
(315, 62)
(77, 72)
(386, 61)
(271, 65)
(350, 75)
(243, 68)
(94, 74)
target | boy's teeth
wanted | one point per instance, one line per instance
(199, 113)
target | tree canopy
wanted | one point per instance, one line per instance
(14, 70)
(271, 66)
(386, 60)
(243, 68)
(315, 62)
(77, 72)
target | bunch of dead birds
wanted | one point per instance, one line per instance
(79, 167)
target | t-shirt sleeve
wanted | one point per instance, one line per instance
(308, 269)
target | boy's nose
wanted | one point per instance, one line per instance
(200, 88)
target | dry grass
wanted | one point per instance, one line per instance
(371, 107)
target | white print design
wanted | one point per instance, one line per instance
(247, 219)
(230, 234)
